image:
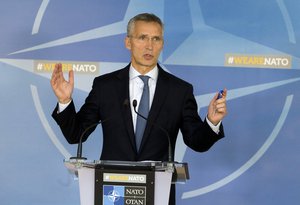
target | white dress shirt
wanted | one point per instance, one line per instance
(136, 86)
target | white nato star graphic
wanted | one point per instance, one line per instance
(113, 196)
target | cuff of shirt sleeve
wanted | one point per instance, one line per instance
(215, 128)
(62, 106)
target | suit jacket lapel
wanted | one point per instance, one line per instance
(162, 88)
(123, 90)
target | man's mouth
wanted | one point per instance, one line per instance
(148, 56)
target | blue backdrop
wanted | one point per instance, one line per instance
(210, 43)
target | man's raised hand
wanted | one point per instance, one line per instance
(62, 88)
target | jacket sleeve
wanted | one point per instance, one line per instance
(197, 134)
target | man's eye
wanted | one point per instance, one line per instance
(157, 39)
(142, 37)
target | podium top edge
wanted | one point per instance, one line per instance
(179, 169)
(93, 163)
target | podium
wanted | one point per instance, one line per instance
(124, 182)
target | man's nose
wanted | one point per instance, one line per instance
(149, 43)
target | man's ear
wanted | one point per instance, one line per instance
(127, 43)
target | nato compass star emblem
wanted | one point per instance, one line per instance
(114, 196)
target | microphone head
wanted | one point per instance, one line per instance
(134, 103)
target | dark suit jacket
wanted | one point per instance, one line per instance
(173, 108)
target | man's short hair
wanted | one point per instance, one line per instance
(146, 17)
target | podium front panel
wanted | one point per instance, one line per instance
(119, 185)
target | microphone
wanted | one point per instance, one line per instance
(79, 148)
(170, 158)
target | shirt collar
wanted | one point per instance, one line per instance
(133, 73)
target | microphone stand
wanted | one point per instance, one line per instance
(79, 148)
(170, 158)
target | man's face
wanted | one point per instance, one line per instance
(145, 44)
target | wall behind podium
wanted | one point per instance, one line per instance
(250, 47)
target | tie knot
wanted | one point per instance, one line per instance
(145, 79)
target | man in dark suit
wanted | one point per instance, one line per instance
(172, 103)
